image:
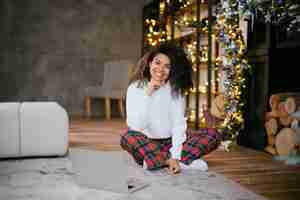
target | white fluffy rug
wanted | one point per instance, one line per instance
(91, 175)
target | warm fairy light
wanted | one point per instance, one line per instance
(192, 116)
(202, 89)
(153, 22)
(154, 43)
(161, 7)
(150, 29)
(154, 33)
(193, 90)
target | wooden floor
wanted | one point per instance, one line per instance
(254, 170)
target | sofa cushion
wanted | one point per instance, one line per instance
(9, 129)
(44, 129)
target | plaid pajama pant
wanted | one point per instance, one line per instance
(155, 152)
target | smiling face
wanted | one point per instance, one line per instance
(160, 68)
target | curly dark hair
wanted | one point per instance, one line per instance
(180, 76)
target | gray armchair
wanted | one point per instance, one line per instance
(114, 85)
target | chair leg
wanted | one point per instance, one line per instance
(87, 103)
(108, 108)
(121, 107)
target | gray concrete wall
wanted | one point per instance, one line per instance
(58, 47)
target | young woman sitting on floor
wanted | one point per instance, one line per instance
(157, 134)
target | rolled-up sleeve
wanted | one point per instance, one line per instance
(136, 108)
(179, 126)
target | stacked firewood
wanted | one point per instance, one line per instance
(281, 125)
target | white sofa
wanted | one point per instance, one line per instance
(31, 129)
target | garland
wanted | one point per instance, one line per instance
(235, 67)
(235, 63)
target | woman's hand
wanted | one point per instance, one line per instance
(153, 86)
(173, 166)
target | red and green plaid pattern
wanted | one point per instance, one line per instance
(140, 147)
(156, 152)
(199, 143)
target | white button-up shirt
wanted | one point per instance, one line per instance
(158, 116)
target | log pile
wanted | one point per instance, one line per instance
(281, 126)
